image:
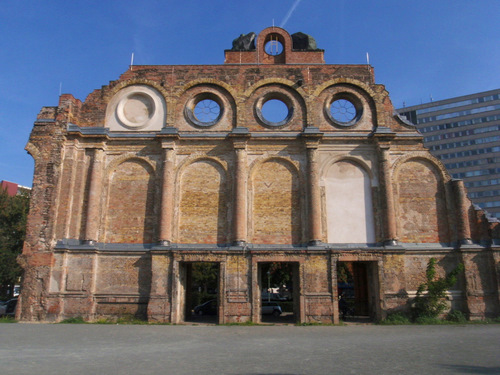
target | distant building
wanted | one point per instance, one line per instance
(14, 189)
(464, 133)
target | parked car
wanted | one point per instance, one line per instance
(3, 306)
(10, 308)
(272, 297)
(207, 308)
(273, 308)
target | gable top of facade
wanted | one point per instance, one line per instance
(271, 66)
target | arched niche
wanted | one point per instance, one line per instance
(349, 207)
(203, 204)
(421, 203)
(275, 203)
(130, 206)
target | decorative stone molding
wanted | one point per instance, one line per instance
(136, 108)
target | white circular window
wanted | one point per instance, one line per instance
(204, 110)
(136, 109)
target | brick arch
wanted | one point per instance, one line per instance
(202, 191)
(274, 30)
(355, 160)
(275, 204)
(210, 88)
(198, 156)
(349, 81)
(348, 201)
(113, 90)
(283, 90)
(424, 156)
(130, 201)
(420, 201)
(292, 165)
(286, 83)
(129, 156)
(356, 89)
(209, 81)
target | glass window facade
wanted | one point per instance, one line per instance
(464, 133)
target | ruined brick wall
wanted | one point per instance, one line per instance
(131, 187)
(422, 210)
(276, 213)
(203, 206)
(130, 205)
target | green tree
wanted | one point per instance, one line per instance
(280, 273)
(205, 276)
(13, 214)
(431, 304)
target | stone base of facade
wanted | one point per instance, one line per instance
(112, 281)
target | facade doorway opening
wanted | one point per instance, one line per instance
(357, 287)
(201, 292)
(279, 292)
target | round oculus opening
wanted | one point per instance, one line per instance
(136, 109)
(273, 47)
(343, 111)
(275, 112)
(207, 111)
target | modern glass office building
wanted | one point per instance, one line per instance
(464, 133)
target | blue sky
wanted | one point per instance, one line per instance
(419, 49)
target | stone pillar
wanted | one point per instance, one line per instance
(390, 218)
(462, 214)
(94, 197)
(167, 194)
(314, 194)
(159, 308)
(241, 191)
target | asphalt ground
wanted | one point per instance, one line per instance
(281, 349)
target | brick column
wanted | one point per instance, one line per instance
(463, 215)
(167, 194)
(390, 218)
(314, 194)
(241, 191)
(94, 198)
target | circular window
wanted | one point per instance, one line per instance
(204, 110)
(136, 109)
(273, 47)
(344, 110)
(207, 111)
(274, 110)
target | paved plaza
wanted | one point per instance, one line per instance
(253, 350)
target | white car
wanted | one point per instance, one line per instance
(273, 308)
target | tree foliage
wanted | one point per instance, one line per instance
(280, 273)
(205, 276)
(429, 302)
(13, 214)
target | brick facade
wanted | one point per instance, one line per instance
(133, 185)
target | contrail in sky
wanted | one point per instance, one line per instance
(289, 14)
